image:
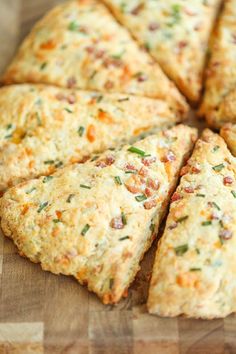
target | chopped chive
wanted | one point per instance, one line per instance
(216, 148)
(118, 56)
(42, 206)
(200, 195)
(136, 151)
(47, 178)
(85, 229)
(180, 250)
(9, 126)
(118, 180)
(130, 171)
(123, 99)
(84, 186)
(218, 168)
(58, 164)
(73, 26)
(124, 219)
(147, 45)
(94, 158)
(39, 121)
(8, 136)
(195, 269)
(206, 223)
(197, 250)
(81, 131)
(68, 110)
(56, 221)
(30, 190)
(140, 198)
(233, 193)
(99, 98)
(216, 206)
(93, 74)
(152, 227)
(111, 282)
(68, 200)
(43, 65)
(49, 162)
(124, 238)
(183, 218)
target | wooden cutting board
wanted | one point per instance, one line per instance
(44, 313)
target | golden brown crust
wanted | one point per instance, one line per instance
(228, 132)
(194, 269)
(95, 220)
(220, 94)
(176, 33)
(80, 45)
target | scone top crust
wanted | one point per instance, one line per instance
(194, 270)
(95, 220)
(219, 102)
(43, 128)
(176, 33)
(228, 132)
(80, 45)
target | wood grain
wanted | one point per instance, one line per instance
(44, 313)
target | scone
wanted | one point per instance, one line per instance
(228, 132)
(219, 102)
(43, 128)
(175, 33)
(95, 220)
(80, 45)
(194, 269)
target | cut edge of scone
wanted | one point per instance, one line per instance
(170, 296)
(10, 209)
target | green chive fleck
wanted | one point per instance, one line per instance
(216, 206)
(131, 171)
(9, 126)
(197, 250)
(39, 120)
(140, 198)
(118, 180)
(56, 221)
(43, 66)
(68, 200)
(216, 148)
(30, 190)
(73, 26)
(183, 218)
(233, 193)
(137, 151)
(111, 282)
(219, 167)
(42, 206)
(180, 250)
(68, 110)
(200, 195)
(124, 238)
(58, 164)
(195, 269)
(81, 131)
(85, 229)
(49, 162)
(124, 219)
(123, 99)
(206, 223)
(152, 227)
(99, 98)
(84, 186)
(47, 178)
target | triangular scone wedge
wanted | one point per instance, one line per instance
(43, 128)
(219, 102)
(228, 132)
(194, 269)
(80, 45)
(95, 220)
(176, 33)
